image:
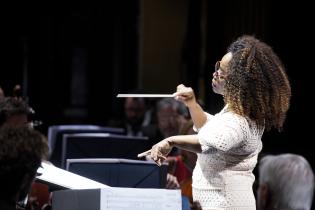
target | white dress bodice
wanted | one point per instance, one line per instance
(223, 178)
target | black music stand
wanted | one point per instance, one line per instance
(121, 172)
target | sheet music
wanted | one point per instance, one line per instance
(139, 199)
(63, 178)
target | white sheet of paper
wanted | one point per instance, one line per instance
(145, 95)
(66, 179)
(116, 198)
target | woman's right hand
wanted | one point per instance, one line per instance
(171, 182)
(159, 151)
(185, 95)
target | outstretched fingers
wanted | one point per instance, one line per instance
(158, 157)
(143, 154)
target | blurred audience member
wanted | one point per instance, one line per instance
(2, 95)
(137, 117)
(171, 182)
(14, 112)
(22, 150)
(17, 92)
(171, 116)
(286, 182)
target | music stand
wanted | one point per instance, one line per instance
(102, 145)
(121, 172)
(56, 132)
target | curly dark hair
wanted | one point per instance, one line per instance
(257, 85)
(10, 106)
(21, 152)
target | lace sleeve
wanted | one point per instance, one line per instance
(223, 132)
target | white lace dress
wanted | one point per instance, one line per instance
(223, 178)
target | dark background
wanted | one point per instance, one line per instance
(73, 58)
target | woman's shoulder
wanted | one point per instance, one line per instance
(230, 116)
(227, 122)
(247, 126)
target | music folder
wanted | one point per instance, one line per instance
(58, 178)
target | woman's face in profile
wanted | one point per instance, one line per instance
(219, 75)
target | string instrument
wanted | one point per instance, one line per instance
(39, 197)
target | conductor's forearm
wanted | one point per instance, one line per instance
(197, 115)
(186, 142)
